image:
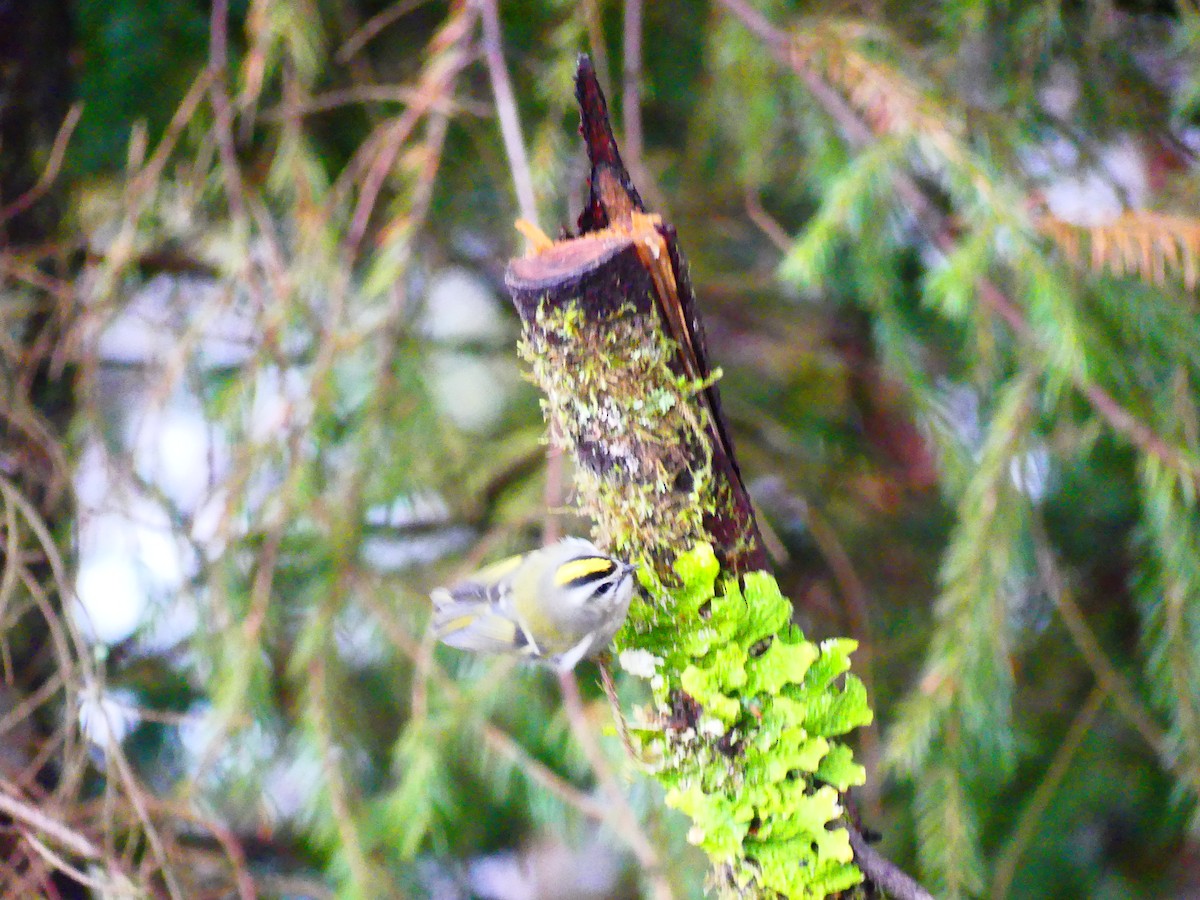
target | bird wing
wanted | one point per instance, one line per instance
(471, 616)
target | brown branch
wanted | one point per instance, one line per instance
(884, 873)
(627, 265)
(607, 276)
(597, 312)
(506, 109)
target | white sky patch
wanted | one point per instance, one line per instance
(280, 396)
(129, 556)
(471, 391)
(167, 625)
(150, 325)
(92, 481)
(241, 753)
(547, 868)
(107, 716)
(142, 331)
(178, 451)
(141, 530)
(1086, 192)
(110, 597)
(209, 522)
(388, 553)
(421, 507)
(460, 307)
(1030, 472)
(287, 786)
(358, 639)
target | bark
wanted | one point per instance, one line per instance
(624, 284)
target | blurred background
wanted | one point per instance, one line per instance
(260, 395)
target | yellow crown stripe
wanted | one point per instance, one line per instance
(581, 568)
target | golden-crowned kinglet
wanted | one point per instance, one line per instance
(560, 604)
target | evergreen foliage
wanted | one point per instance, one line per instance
(946, 253)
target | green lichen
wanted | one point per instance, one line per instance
(747, 714)
(754, 758)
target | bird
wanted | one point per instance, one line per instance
(558, 604)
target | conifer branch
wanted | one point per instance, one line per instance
(1145, 244)
(939, 229)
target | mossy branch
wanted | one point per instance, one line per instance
(747, 714)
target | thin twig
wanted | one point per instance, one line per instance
(373, 26)
(597, 48)
(631, 86)
(506, 109)
(857, 605)
(767, 223)
(1006, 867)
(496, 739)
(855, 599)
(230, 843)
(133, 790)
(57, 862)
(296, 886)
(63, 630)
(622, 813)
(50, 172)
(522, 175)
(151, 171)
(372, 93)
(437, 82)
(507, 746)
(552, 493)
(355, 854)
(1106, 675)
(218, 62)
(51, 828)
(633, 146)
(614, 701)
